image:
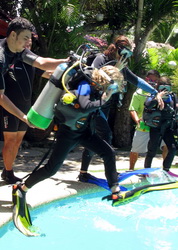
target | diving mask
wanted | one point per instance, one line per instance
(115, 87)
(167, 89)
(125, 52)
(164, 87)
(152, 82)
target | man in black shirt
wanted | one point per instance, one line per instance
(18, 88)
(13, 49)
(17, 70)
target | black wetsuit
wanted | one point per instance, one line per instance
(16, 77)
(102, 126)
(76, 127)
(8, 58)
(18, 88)
(163, 131)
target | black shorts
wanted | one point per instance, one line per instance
(12, 124)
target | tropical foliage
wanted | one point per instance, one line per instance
(62, 24)
(53, 20)
(164, 60)
(174, 78)
(166, 32)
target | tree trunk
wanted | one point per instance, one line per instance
(121, 123)
(139, 20)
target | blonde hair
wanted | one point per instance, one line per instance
(102, 80)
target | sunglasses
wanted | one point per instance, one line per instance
(152, 82)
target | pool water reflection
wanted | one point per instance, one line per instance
(86, 222)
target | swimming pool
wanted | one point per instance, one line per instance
(86, 222)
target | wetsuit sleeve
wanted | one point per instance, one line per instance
(2, 83)
(39, 72)
(99, 61)
(137, 81)
(150, 102)
(28, 57)
(86, 104)
(88, 98)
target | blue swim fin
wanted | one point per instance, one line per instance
(144, 171)
(121, 177)
(101, 183)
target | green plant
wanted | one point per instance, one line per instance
(166, 62)
(166, 32)
(174, 79)
(160, 59)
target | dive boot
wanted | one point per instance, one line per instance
(9, 177)
(84, 177)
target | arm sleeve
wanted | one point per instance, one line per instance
(39, 72)
(150, 102)
(146, 87)
(137, 81)
(87, 105)
(2, 83)
(99, 61)
(28, 57)
(88, 99)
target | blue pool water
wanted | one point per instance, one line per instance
(86, 222)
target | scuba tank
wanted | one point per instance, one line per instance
(42, 112)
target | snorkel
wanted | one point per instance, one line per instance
(124, 52)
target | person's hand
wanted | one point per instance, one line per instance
(138, 122)
(67, 59)
(29, 123)
(104, 96)
(160, 100)
(163, 93)
(64, 60)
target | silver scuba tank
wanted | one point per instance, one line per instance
(42, 112)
